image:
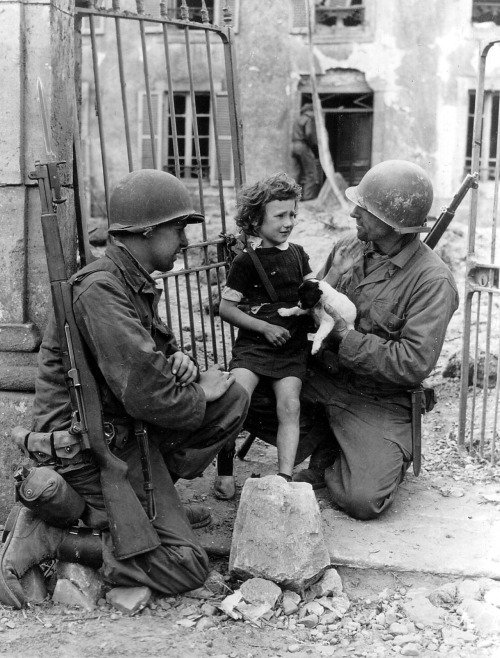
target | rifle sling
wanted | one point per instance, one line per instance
(262, 274)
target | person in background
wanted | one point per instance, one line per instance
(305, 153)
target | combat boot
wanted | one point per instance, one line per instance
(29, 542)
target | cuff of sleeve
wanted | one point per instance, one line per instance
(349, 348)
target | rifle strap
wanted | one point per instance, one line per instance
(262, 274)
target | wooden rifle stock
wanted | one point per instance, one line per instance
(131, 530)
(444, 219)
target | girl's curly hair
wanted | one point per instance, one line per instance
(252, 200)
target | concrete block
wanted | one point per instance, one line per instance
(67, 593)
(259, 590)
(277, 533)
(89, 581)
(129, 600)
(33, 584)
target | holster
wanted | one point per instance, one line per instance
(45, 492)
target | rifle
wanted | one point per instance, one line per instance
(131, 530)
(447, 214)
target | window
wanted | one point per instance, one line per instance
(329, 15)
(483, 12)
(215, 11)
(489, 134)
(341, 13)
(191, 164)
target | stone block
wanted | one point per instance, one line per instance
(67, 593)
(277, 533)
(129, 600)
(88, 581)
(259, 590)
(19, 337)
(290, 602)
(484, 616)
(420, 610)
(330, 584)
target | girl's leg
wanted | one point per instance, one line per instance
(225, 485)
(287, 391)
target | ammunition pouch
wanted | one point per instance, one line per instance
(45, 492)
(61, 449)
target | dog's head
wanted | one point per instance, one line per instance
(309, 294)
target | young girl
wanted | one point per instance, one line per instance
(267, 345)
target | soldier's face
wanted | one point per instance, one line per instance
(369, 227)
(167, 241)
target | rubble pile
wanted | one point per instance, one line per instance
(459, 619)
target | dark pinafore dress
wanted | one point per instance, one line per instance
(285, 270)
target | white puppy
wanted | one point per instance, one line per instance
(313, 295)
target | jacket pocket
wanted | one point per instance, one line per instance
(387, 319)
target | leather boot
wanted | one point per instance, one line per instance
(198, 515)
(30, 542)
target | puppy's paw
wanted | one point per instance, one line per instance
(285, 312)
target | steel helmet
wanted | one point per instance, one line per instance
(148, 197)
(397, 192)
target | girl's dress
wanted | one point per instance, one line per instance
(286, 269)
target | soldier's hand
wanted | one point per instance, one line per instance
(215, 381)
(345, 257)
(184, 369)
(275, 335)
(340, 329)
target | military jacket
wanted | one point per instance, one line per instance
(403, 310)
(115, 303)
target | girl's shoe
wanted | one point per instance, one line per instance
(225, 487)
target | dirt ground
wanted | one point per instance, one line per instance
(173, 628)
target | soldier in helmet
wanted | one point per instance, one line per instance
(405, 297)
(142, 373)
(356, 392)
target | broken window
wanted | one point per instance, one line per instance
(489, 134)
(339, 13)
(483, 12)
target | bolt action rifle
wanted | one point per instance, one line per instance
(131, 529)
(447, 214)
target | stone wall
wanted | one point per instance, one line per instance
(36, 41)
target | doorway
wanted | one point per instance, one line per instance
(349, 124)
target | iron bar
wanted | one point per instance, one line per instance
(140, 11)
(170, 91)
(100, 121)
(123, 85)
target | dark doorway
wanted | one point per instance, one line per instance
(349, 121)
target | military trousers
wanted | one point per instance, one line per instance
(179, 564)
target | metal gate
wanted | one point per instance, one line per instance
(480, 374)
(157, 90)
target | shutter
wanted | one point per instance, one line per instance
(224, 145)
(233, 6)
(299, 16)
(145, 150)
